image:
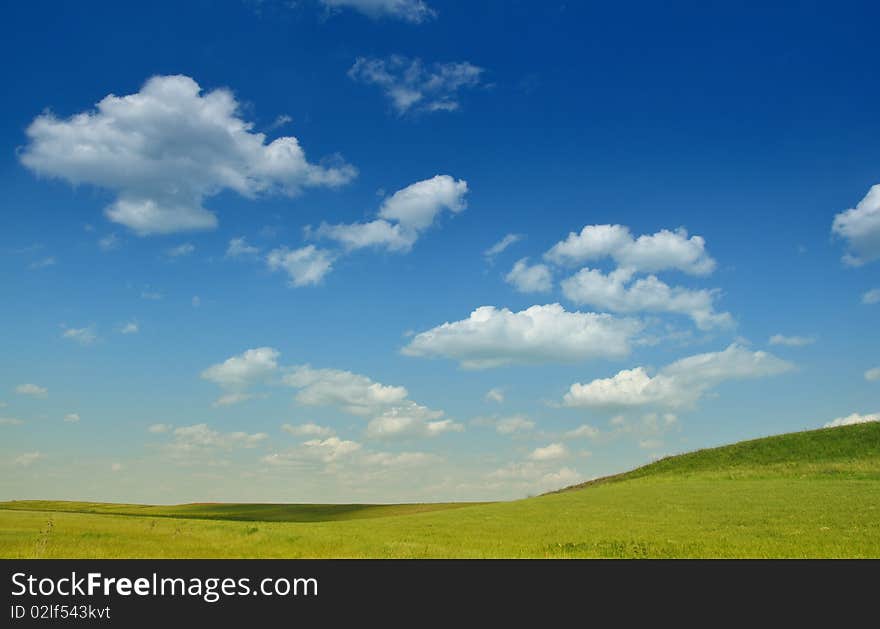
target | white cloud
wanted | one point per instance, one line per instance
(131, 327)
(501, 245)
(618, 293)
(536, 278)
(679, 384)
(151, 295)
(10, 421)
(117, 467)
(378, 233)
(71, 418)
(306, 265)
(308, 430)
(180, 250)
(239, 247)
(166, 148)
(414, 11)
(32, 390)
(413, 87)
(28, 458)
(791, 341)
(855, 418)
(349, 391)
(495, 395)
(231, 399)
(332, 448)
(199, 437)
(418, 204)
(534, 476)
(245, 369)
(860, 227)
(402, 217)
(584, 431)
(83, 336)
(872, 296)
(109, 242)
(391, 411)
(872, 375)
(513, 424)
(552, 452)
(664, 250)
(410, 422)
(491, 337)
(158, 429)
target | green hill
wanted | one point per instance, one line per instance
(809, 494)
(844, 452)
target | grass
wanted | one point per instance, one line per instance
(811, 494)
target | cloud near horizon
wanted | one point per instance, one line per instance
(677, 385)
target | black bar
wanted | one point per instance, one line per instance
(453, 591)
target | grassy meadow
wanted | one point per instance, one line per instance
(809, 494)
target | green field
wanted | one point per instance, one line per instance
(809, 494)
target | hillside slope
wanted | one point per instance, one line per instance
(843, 452)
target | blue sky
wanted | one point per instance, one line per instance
(394, 250)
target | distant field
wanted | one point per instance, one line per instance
(811, 494)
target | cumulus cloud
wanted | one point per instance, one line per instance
(411, 86)
(535, 278)
(873, 375)
(584, 431)
(410, 422)
(491, 337)
(10, 421)
(618, 293)
(331, 448)
(353, 393)
(165, 149)
(391, 411)
(201, 438)
(551, 452)
(83, 336)
(27, 459)
(158, 429)
(860, 228)
(402, 217)
(501, 245)
(71, 418)
(662, 251)
(791, 341)
(309, 429)
(414, 11)
(535, 476)
(678, 385)
(855, 418)
(872, 296)
(513, 424)
(32, 390)
(239, 248)
(131, 327)
(304, 266)
(249, 367)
